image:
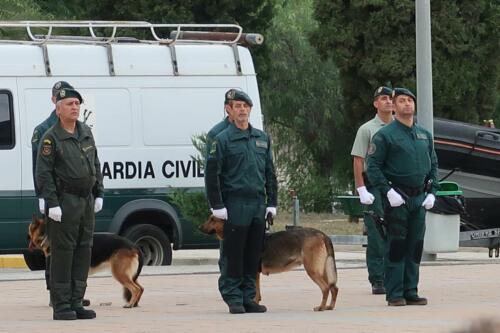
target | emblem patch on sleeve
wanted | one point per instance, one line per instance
(372, 148)
(35, 137)
(46, 149)
(213, 148)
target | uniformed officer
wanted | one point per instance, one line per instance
(402, 164)
(375, 249)
(242, 189)
(38, 132)
(69, 177)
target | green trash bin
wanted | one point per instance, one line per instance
(442, 222)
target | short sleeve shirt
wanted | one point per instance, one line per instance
(364, 136)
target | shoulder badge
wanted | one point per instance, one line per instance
(213, 148)
(372, 148)
(35, 137)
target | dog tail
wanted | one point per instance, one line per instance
(126, 293)
(330, 266)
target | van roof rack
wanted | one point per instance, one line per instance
(178, 33)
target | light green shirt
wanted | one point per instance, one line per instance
(364, 137)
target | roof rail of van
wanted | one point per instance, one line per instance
(205, 33)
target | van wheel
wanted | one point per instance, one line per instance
(153, 243)
(35, 260)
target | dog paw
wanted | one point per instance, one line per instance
(319, 308)
(127, 306)
(329, 307)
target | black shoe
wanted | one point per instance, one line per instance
(82, 313)
(416, 301)
(85, 302)
(397, 302)
(236, 308)
(64, 315)
(254, 307)
(378, 288)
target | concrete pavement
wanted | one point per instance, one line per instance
(461, 287)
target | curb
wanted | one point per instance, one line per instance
(12, 261)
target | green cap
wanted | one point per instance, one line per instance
(382, 90)
(68, 93)
(403, 91)
(238, 95)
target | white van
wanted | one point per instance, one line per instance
(144, 99)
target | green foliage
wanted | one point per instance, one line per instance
(373, 43)
(302, 107)
(192, 205)
(19, 10)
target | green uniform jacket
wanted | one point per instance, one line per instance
(64, 160)
(38, 132)
(403, 156)
(240, 165)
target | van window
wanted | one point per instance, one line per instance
(6, 121)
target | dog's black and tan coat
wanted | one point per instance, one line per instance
(285, 250)
(109, 251)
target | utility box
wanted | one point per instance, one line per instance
(442, 222)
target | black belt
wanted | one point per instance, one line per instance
(410, 191)
(80, 192)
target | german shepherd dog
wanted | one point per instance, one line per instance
(285, 250)
(108, 251)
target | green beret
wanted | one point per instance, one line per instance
(382, 90)
(60, 85)
(403, 91)
(68, 93)
(238, 95)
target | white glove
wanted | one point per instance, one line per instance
(220, 213)
(271, 210)
(55, 213)
(395, 198)
(429, 201)
(97, 205)
(41, 205)
(365, 197)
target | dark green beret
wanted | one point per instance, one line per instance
(403, 91)
(382, 90)
(60, 85)
(238, 95)
(68, 93)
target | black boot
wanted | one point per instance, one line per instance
(82, 313)
(378, 288)
(254, 307)
(416, 301)
(236, 308)
(67, 314)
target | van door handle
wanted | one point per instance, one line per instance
(488, 136)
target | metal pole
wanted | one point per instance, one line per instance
(425, 110)
(424, 64)
(296, 209)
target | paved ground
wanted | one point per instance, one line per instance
(461, 288)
